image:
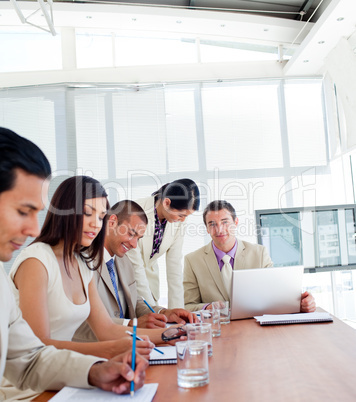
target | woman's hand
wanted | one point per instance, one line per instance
(124, 344)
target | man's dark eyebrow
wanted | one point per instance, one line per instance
(134, 231)
(211, 222)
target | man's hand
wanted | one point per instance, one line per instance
(180, 316)
(155, 320)
(151, 320)
(115, 374)
(307, 303)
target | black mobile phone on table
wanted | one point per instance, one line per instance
(173, 333)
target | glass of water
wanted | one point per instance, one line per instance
(212, 317)
(192, 364)
(225, 311)
(201, 332)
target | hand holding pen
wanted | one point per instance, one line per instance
(176, 315)
(115, 375)
(140, 339)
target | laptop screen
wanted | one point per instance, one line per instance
(266, 291)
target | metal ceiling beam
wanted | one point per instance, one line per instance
(48, 18)
(305, 8)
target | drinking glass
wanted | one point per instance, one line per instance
(212, 317)
(225, 311)
(201, 332)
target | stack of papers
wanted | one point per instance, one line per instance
(144, 394)
(268, 319)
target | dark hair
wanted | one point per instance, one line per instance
(183, 193)
(19, 153)
(124, 209)
(64, 220)
(218, 205)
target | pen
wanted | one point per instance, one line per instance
(140, 339)
(133, 358)
(148, 305)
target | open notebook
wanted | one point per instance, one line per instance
(169, 356)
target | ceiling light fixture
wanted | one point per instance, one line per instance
(340, 19)
(305, 61)
(321, 42)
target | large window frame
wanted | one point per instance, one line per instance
(238, 186)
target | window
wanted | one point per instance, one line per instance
(305, 117)
(237, 113)
(229, 137)
(321, 238)
(28, 50)
(282, 237)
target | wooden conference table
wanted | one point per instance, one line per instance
(297, 362)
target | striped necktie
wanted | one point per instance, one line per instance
(110, 265)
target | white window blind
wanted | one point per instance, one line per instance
(305, 121)
(242, 127)
(181, 130)
(91, 134)
(140, 132)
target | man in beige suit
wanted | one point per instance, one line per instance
(24, 360)
(116, 283)
(204, 280)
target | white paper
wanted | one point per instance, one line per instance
(170, 352)
(144, 394)
(302, 317)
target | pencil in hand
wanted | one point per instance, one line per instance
(133, 357)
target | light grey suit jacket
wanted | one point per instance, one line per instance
(25, 361)
(135, 305)
(203, 282)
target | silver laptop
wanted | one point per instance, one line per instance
(266, 291)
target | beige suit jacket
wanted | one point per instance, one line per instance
(146, 268)
(25, 361)
(203, 282)
(135, 305)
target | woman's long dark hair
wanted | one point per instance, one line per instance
(64, 220)
(183, 193)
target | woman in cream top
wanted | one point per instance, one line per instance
(61, 308)
(53, 281)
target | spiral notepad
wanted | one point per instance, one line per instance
(294, 318)
(169, 356)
